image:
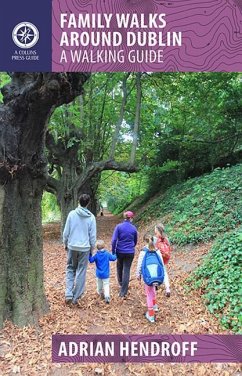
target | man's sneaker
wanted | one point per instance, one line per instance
(168, 294)
(107, 300)
(68, 301)
(155, 308)
(150, 318)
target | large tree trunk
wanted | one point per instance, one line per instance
(68, 195)
(22, 294)
(28, 102)
(68, 200)
(91, 187)
(66, 203)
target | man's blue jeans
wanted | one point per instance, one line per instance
(76, 274)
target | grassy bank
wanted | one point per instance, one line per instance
(198, 210)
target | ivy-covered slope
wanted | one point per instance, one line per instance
(200, 208)
(219, 278)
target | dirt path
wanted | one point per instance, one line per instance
(28, 351)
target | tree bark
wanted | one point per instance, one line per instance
(22, 293)
(29, 100)
(137, 119)
(68, 200)
(67, 196)
(121, 117)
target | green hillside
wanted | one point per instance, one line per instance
(219, 279)
(200, 208)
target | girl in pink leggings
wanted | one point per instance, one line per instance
(150, 291)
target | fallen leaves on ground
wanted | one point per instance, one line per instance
(27, 351)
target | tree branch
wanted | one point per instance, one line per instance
(97, 167)
(52, 185)
(56, 149)
(30, 99)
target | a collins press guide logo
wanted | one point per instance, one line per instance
(25, 35)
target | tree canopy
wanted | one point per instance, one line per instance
(190, 123)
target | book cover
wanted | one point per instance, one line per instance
(117, 99)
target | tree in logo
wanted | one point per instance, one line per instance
(25, 35)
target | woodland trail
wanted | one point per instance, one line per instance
(27, 351)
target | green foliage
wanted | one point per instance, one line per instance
(219, 279)
(192, 119)
(189, 124)
(201, 208)
(84, 132)
(119, 189)
(4, 79)
(90, 120)
(50, 209)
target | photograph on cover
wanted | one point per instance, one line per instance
(152, 159)
(120, 187)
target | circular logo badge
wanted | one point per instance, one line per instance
(25, 35)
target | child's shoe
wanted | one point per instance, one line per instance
(155, 308)
(107, 299)
(150, 318)
(168, 294)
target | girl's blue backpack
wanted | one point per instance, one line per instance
(152, 268)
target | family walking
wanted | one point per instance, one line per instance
(79, 238)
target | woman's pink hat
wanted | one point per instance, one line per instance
(128, 214)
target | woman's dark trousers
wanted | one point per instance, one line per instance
(124, 262)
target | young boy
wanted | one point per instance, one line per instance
(102, 258)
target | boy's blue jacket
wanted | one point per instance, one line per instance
(124, 238)
(102, 258)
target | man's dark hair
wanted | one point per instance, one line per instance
(84, 200)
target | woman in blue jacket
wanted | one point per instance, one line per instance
(124, 240)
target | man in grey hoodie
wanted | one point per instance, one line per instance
(79, 238)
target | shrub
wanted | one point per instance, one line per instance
(219, 279)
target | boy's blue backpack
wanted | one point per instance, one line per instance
(152, 268)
